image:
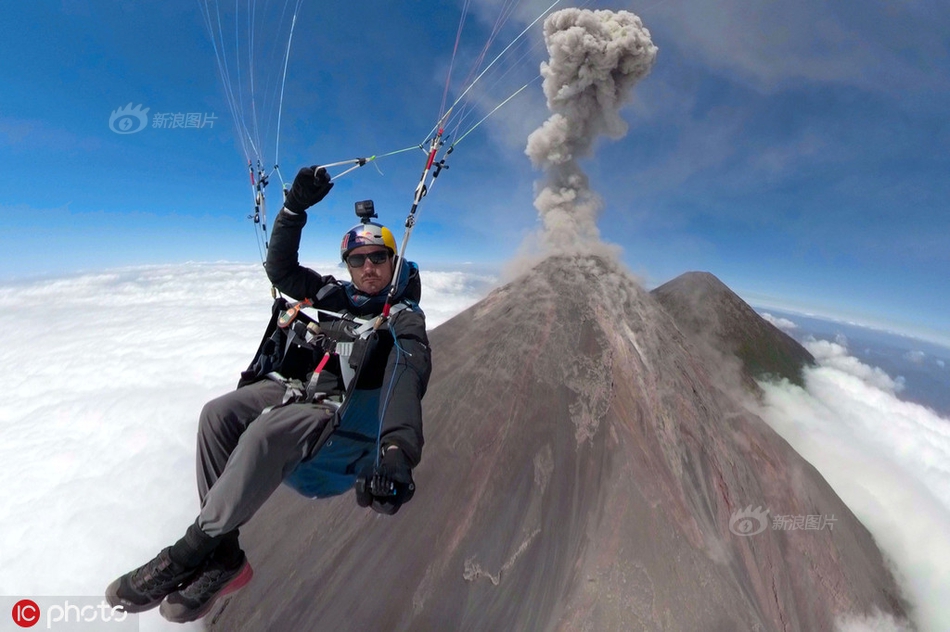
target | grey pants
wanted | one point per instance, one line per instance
(244, 453)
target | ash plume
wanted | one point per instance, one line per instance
(595, 59)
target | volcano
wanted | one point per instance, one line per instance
(720, 323)
(584, 470)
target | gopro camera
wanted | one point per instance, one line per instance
(365, 211)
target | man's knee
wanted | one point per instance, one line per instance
(216, 418)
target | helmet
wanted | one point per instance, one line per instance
(368, 234)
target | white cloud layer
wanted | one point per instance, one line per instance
(876, 622)
(835, 355)
(889, 461)
(782, 323)
(104, 377)
(917, 357)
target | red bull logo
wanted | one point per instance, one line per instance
(353, 239)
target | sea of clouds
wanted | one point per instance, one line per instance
(105, 375)
(888, 459)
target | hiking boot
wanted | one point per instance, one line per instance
(145, 587)
(214, 580)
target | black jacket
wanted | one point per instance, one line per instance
(397, 358)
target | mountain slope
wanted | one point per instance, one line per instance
(580, 473)
(712, 314)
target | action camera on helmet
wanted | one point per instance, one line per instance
(365, 211)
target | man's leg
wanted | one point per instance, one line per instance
(222, 422)
(265, 455)
(269, 450)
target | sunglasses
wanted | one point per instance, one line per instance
(376, 257)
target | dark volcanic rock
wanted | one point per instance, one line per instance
(581, 472)
(712, 314)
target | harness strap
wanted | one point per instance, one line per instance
(375, 324)
(315, 376)
(344, 350)
(295, 390)
(347, 317)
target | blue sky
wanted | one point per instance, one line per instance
(796, 150)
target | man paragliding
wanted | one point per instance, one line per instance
(358, 375)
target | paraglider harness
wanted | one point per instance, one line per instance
(293, 341)
(295, 351)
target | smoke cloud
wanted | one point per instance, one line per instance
(595, 59)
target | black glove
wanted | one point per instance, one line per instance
(310, 186)
(389, 486)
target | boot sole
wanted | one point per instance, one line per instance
(239, 581)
